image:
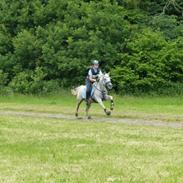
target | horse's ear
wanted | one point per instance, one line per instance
(108, 73)
(104, 72)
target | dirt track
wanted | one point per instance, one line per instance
(128, 121)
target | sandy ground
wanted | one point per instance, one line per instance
(110, 119)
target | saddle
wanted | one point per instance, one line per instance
(92, 93)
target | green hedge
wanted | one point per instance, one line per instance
(47, 44)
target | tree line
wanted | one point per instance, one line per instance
(49, 44)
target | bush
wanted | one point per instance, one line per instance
(4, 90)
(33, 82)
(151, 63)
(21, 82)
(3, 78)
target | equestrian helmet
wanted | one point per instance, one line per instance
(95, 62)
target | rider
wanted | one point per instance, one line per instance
(93, 73)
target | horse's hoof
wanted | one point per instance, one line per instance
(76, 114)
(108, 113)
(89, 117)
(111, 108)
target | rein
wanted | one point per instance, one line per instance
(98, 88)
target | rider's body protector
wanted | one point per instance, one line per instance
(93, 73)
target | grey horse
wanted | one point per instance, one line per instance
(99, 94)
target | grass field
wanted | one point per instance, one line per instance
(163, 108)
(46, 150)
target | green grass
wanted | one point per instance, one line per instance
(50, 150)
(40, 150)
(164, 108)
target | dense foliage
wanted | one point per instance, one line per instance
(47, 44)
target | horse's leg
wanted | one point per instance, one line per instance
(99, 100)
(108, 97)
(78, 105)
(112, 103)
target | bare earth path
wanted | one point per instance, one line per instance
(110, 119)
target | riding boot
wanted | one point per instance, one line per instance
(88, 91)
(88, 99)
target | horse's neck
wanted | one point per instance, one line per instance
(100, 86)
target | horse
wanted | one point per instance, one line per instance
(98, 94)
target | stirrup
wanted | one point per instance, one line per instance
(89, 100)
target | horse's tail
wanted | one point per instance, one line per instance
(74, 91)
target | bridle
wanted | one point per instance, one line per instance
(103, 85)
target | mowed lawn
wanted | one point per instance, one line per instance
(52, 150)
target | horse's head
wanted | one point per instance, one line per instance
(106, 81)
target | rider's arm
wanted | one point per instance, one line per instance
(90, 76)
